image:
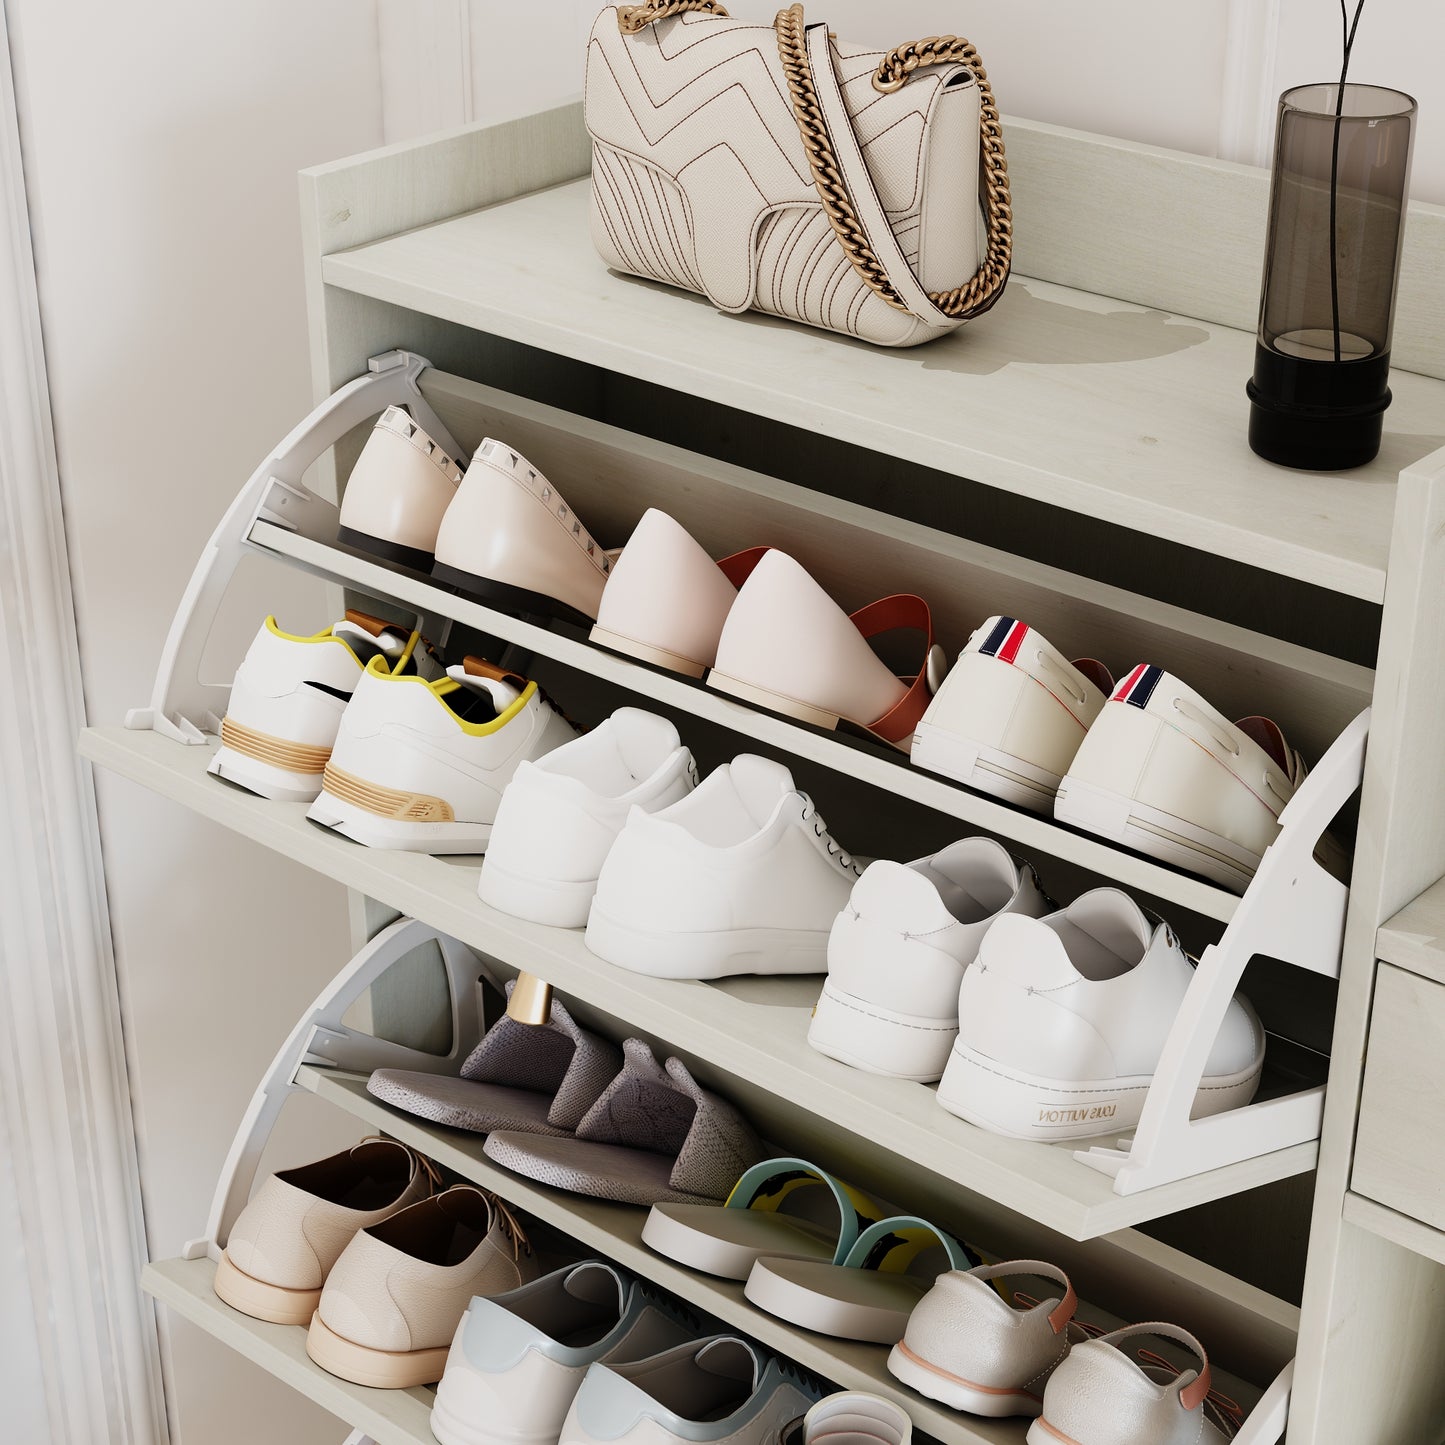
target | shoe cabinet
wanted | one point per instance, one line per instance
(1078, 460)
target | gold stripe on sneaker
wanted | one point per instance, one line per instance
(385, 802)
(277, 752)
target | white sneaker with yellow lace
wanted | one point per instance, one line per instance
(1164, 773)
(288, 698)
(421, 765)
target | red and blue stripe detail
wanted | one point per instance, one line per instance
(1139, 686)
(1004, 639)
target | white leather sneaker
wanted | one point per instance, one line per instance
(740, 876)
(898, 950)
(715, 1391)
(293, 1229)
(787, 646)
(287, 700)
(517, 1359)
(422, 765)
(1100, 1396)
(510, 541)
(561, 814)
(1062, 1021)
(398, 492)
(987, 1340)
(1164, 773)
(666, 600)
(394, 1298)
(1011, 714)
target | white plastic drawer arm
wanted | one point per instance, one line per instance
(322, 1038)
(1293, 911)
(184, 707)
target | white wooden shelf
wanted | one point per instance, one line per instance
(1112, 410)
(754, 1030)
(389, 1417)
(615, 1230)
(400, 1417)
(862, 760)
(1415, 937)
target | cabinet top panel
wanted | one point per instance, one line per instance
(1097, 406)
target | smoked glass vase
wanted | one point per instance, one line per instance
(1332, 257)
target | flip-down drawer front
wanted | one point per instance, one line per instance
(1400, 1147)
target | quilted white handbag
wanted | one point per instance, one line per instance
(775, 169)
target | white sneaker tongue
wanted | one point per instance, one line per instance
(1113, 918)
(759, 783)
(390, 643)
(730, 1358)
(502, 692)
(976, 863)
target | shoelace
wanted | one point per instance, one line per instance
(820, 830)
(433, 1174)
(1229, 1416)
(511, 1225)
(1064, 680)
(1029, 1302)
(1197, 715)
(1187, 708)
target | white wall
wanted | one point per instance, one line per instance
(1202, 76)
(161, 141)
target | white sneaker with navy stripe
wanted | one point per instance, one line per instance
(1164, 773)
(1011, 714)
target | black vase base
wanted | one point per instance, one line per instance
(1319, 416)
(1314, 443)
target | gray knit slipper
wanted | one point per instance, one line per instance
(526, 1078)
(655, 1136)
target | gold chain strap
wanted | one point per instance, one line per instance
(633, 18)
(986, 285)
(977, 294)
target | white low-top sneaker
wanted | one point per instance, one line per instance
(1099, 1395)
(423, 765)
(740, 876)
(898, 950)
(287, 700)
(1164, 773)
(666, 600)
(517, 1359)
(561, 814)
(1011, 714)
(510, 540)
(714, 1391)
(398, 492)
(1062, 1021)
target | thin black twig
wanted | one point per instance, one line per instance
(1347, 30)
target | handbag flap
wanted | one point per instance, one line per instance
(702, 103)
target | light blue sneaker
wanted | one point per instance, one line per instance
(517, 1359)
(715, 1391)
